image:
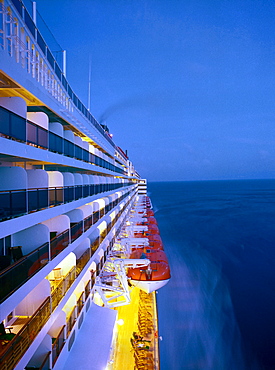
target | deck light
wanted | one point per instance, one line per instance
(120, 322)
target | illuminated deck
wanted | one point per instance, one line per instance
(139, 316)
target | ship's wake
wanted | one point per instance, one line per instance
(200, 313)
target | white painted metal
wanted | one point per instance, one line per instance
(112, 283)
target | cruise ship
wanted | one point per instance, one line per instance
(77, 232)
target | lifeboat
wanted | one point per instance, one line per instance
(153, 277)
(150, 212)
(155, 241)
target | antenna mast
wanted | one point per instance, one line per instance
(89, 84)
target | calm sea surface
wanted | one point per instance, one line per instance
(218, 310)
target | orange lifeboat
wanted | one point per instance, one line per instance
(150, 212)
(155, 241)
(153, 277)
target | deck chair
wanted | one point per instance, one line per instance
(4, 336)
(16, 253)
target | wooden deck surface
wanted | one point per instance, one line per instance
(133, 315)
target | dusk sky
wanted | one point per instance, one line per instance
(187, 86)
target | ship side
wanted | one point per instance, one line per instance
(68, 194)
(65, 190)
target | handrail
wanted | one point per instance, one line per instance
(59, 334)
(15, 275)
(22, 259)
(47, 357)
(56, 347)
(63, 287)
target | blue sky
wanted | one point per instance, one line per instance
(187, 87)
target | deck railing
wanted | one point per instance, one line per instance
(87, 289)
(88, 222)
(80, 303)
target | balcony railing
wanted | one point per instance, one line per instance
(58, 344)
(21, 342)
(82, 261)
(71, 321)
(15, 275)
(87, 290)
(60, 290)
(45, 364)
(59, 243)
(88, 222)
(80, 303)
(18, 273)
(20, 129)
(76, 230)
(14, 203)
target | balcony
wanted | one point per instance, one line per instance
(15, 203)
(17, 274)
(15, 127)
(59, 243)
(59, 287)
(12, 351)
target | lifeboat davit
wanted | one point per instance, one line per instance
(152, 229)
(147, 221)
(153, 277)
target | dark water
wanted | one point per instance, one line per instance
(218, 310)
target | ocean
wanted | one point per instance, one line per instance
(218, 310)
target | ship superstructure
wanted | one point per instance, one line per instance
(65, 191)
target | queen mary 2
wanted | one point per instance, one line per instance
(78, 235)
